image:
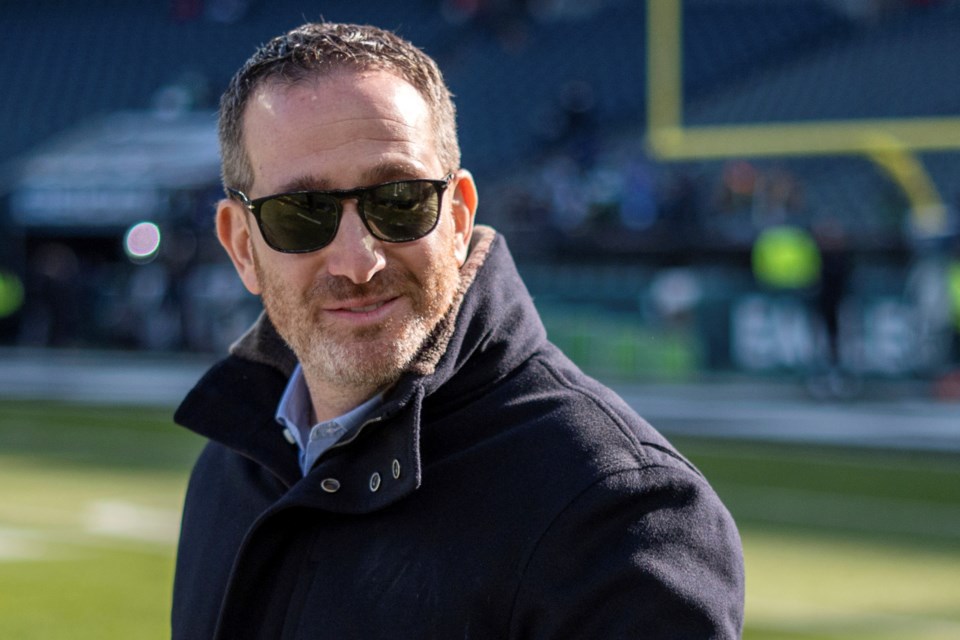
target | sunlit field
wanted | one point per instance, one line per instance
(89, 510)
(843, 544)
(839, 544)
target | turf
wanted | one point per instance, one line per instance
(842, 543)
(839, 544)
(89, 509)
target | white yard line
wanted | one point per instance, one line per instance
(120, 519)
(102, 524)
(19, 545)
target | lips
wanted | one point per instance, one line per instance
(389, 295)
(365, 308)
(360, 306)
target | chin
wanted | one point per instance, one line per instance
(364, 362)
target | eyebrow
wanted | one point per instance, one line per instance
(376, 175)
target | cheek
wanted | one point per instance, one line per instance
(444, 242)
(296, 271)
(428, 269)
(285, 276)
(427, 261)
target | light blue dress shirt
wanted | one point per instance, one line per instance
(294, 414)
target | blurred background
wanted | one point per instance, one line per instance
(653, 253)
(742, 214)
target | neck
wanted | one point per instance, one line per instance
(330, 401)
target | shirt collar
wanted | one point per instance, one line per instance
(294, 414)
(293, 411)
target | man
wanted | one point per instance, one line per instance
(396, 450)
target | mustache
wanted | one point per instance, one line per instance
(384, 283)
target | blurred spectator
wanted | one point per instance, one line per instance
(567, 200)
(733, 204)
(53, 301)
(578, 133)
(11, 301)
(738, 186)
(680, 206)
(779, 197)
(638, 206)
(954, 285)
(787, 265)
(948, 385)
(835, 273)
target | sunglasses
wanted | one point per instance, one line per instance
(304, 221)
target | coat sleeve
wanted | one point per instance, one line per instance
(645, 553)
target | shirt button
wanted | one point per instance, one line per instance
(396, 469)
(330, 485)
(375, 481)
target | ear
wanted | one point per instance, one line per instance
(464, 211)
(233, 231)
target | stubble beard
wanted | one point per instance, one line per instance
(367, 359)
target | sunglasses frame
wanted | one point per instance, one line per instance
(339, 195)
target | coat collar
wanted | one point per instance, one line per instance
(491, 328)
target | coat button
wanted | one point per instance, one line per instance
(330, 485)
(375, 481)
(396, 469)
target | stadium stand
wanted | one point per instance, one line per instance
(551, 97)
(104, 55)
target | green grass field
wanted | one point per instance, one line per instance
(842, 544)
(839, 544)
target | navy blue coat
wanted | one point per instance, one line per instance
(500, 493)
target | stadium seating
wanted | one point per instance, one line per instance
(69, 61)
(536, 80)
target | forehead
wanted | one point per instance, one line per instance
(337, 127)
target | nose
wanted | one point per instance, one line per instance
(354, 252)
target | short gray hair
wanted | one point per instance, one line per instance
(316, 49)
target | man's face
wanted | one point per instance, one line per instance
(356, 311)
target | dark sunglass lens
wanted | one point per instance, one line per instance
(299, 221)
(402, 211)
